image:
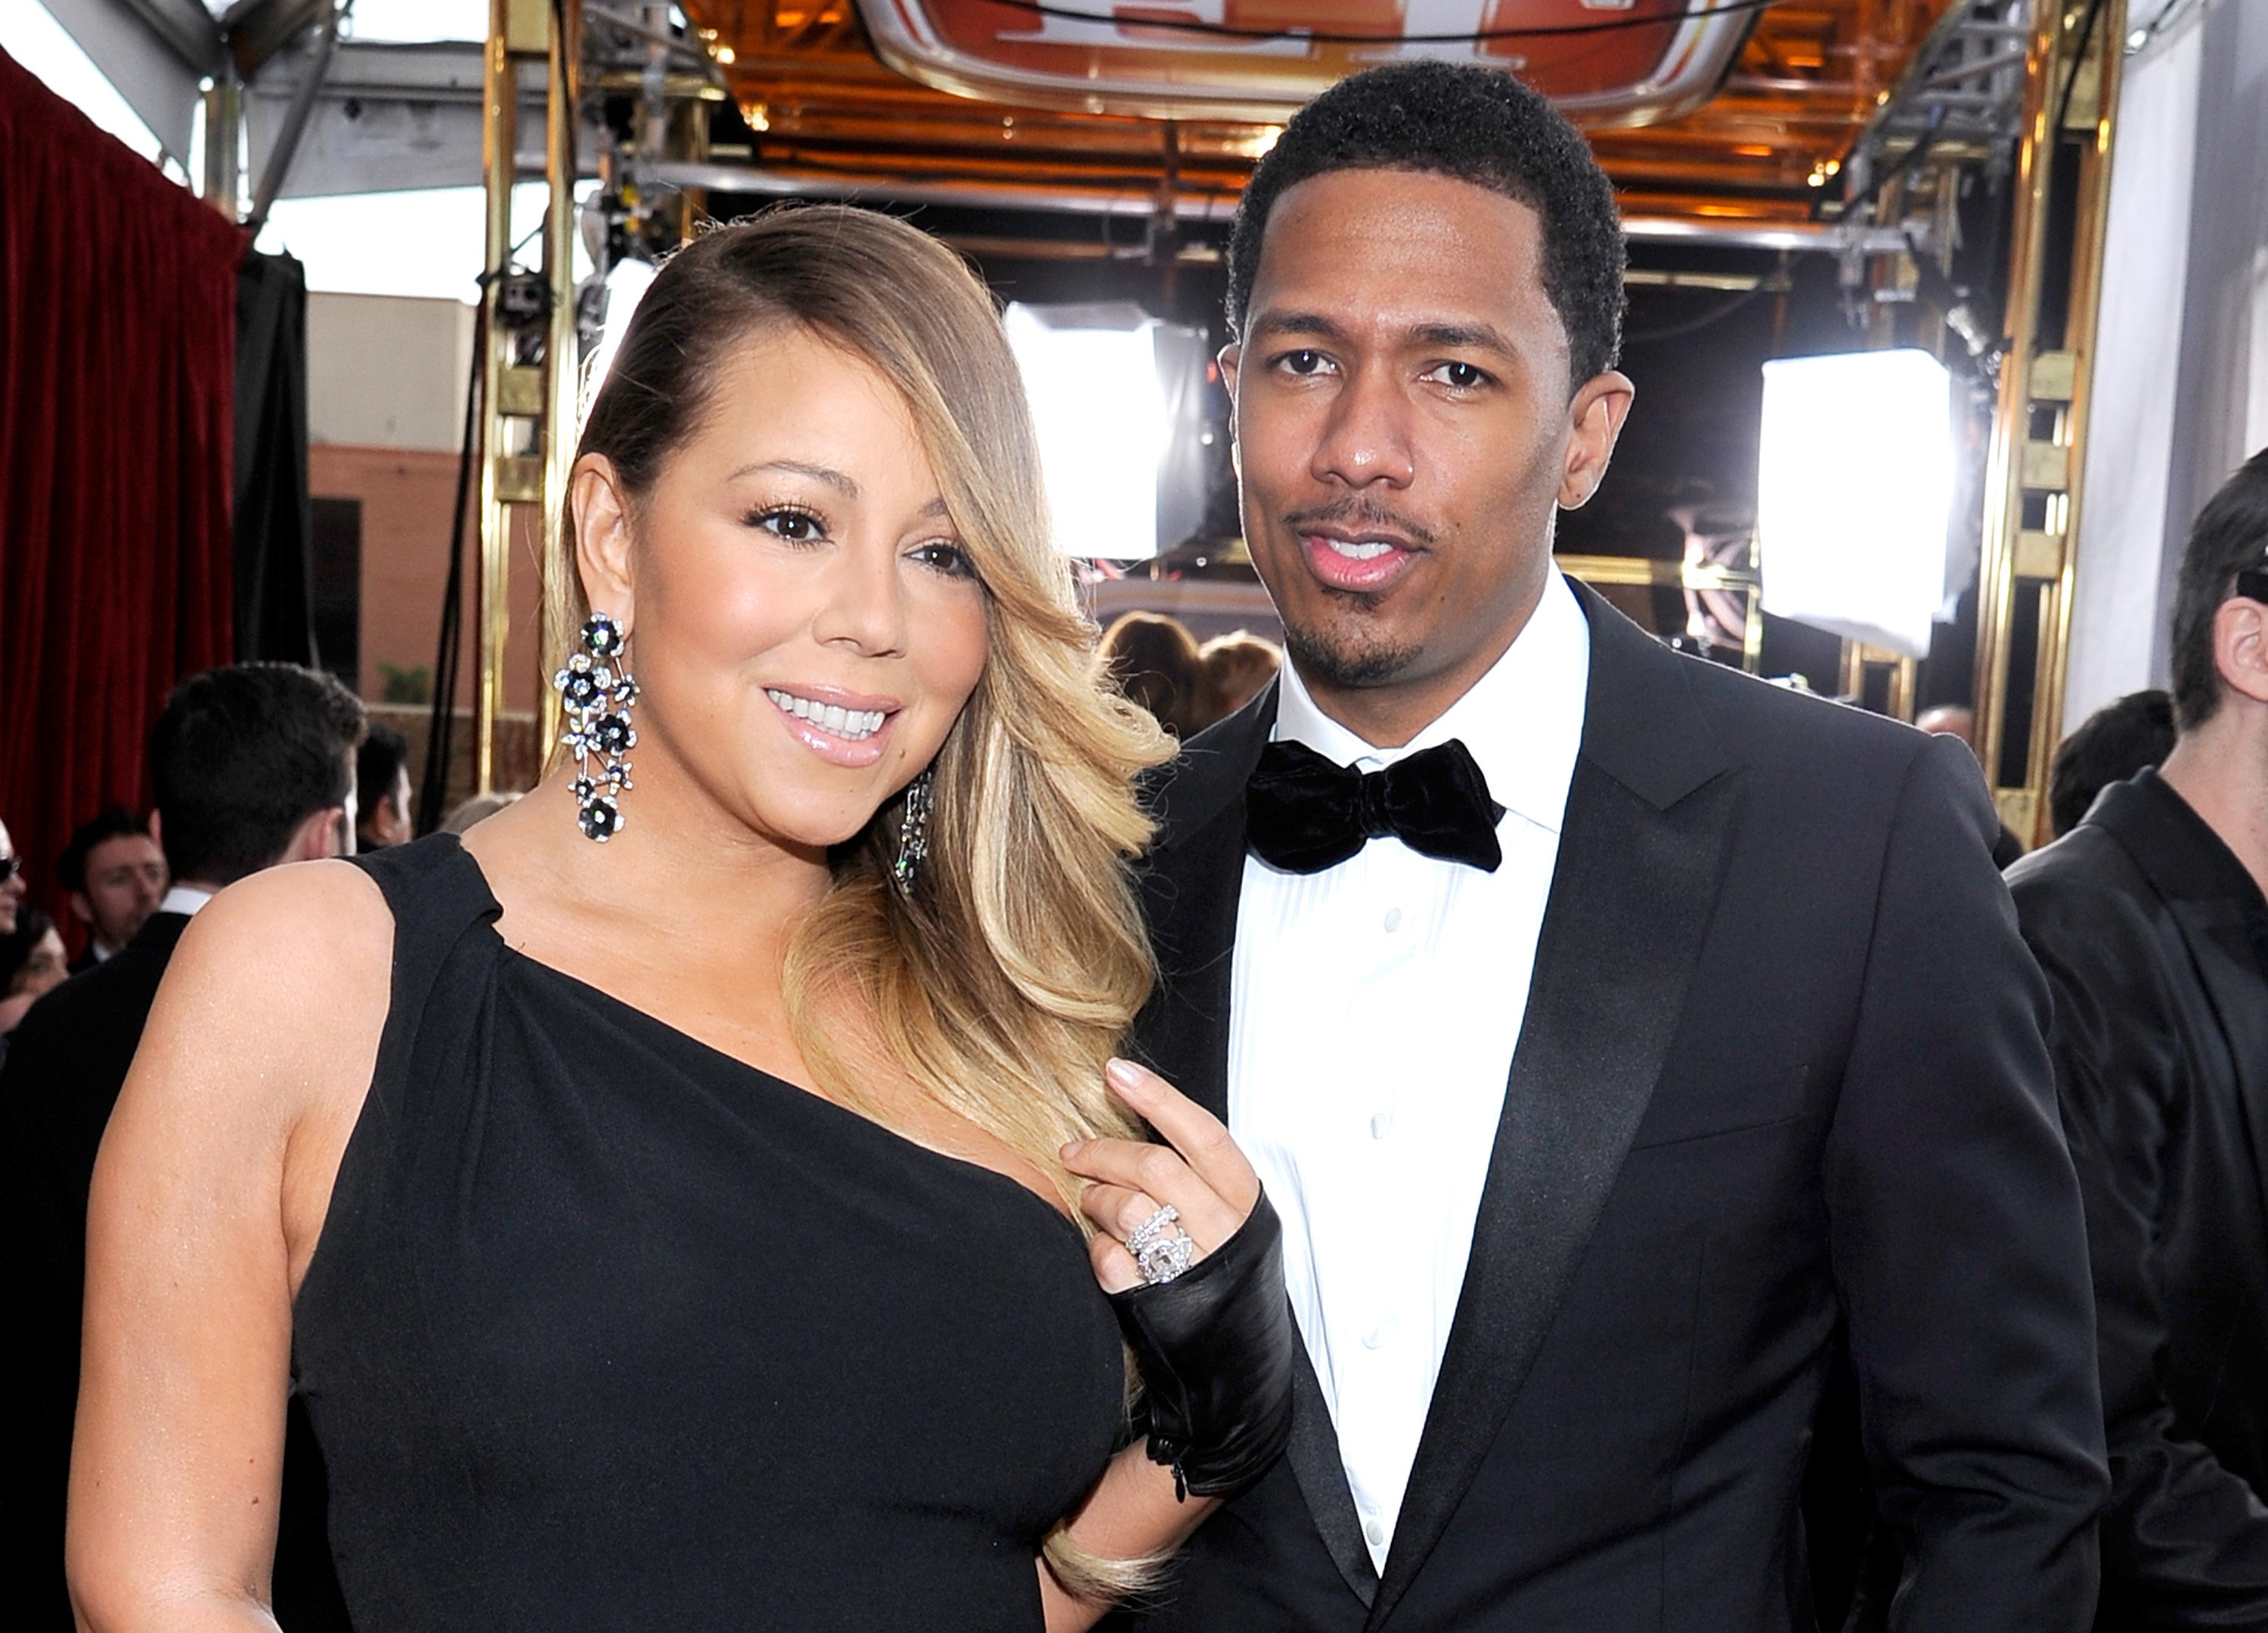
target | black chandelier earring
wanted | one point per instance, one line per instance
(597, 693)
(913, 832)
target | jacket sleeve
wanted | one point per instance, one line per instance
(1958, 1241)
(2185, 1542)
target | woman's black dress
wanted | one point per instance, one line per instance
(607, 1329)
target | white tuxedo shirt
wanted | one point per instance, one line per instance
(1375, 1006)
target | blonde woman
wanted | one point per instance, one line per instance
(681, 1230)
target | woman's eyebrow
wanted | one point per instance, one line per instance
(835, 479)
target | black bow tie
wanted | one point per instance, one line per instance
(1303, 813)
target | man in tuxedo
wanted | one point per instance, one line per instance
(252, 766)
(1620, 1039)
(2150, 920)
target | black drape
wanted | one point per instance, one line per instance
(275, 516)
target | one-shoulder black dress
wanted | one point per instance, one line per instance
(609, 1330)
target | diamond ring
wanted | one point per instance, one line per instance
(1161, 1249)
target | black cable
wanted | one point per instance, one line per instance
(440, 730)
(2078, 62)
(1323, 36)
(1915, 154)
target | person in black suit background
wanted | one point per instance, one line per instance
(116, 876)
(252, 766)
(2129, 734)
(2149, 919)
(1621, 1039)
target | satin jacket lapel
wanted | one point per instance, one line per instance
(1641, 853)
(1320, 1467)
(2221, 943)
(1190, 884)
(2212, 922)
(1191, 889)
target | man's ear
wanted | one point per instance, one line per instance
(82, 909)
(320, 834)
(1596, 418)
(2240, 647)
(600, 506)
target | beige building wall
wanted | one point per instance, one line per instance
(385, 403)
(387, 371)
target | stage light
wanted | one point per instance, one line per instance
(1854, 490)
(1114, 393)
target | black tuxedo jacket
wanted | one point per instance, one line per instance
(1783, 1073)
(66, 1062)
(2153, 939)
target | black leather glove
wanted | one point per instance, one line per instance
(1215, 1350)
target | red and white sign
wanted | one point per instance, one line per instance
(1261, 59)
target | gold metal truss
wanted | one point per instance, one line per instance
(2039, 432)
(528, 382)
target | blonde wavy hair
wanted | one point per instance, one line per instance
(1004, 981)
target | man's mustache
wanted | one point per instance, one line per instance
(1358, 514)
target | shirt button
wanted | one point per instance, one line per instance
(1374, 1337)
(1393, 920)
(1374, 1534)
(1380, 1125)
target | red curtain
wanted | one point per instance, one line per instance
(117, 380)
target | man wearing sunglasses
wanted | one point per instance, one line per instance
(2150, 921)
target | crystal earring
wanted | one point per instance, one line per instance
(597, 695)
(913, 832)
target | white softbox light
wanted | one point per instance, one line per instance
(1854, 491)
(1110, 389)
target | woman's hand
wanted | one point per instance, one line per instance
(1199, 1172)
(1209, 1323)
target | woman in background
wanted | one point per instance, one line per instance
(1236, 666)
(1154, 660)
(679, 1230)
(31, 965)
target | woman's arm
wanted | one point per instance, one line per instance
(1131, 1514)
(214, 1173)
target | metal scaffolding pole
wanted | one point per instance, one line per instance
(560, 346)
(527, 417)
(2039, 430)
(499, 133)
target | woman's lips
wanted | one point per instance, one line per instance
(839, 734)
(1350, 564)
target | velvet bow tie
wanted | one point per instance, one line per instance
(1304, 814)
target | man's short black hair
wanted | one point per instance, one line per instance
(240, 757)
(111, 822)
(377, 765)
(1471, 124)
(2111, 744)
(2230, 537)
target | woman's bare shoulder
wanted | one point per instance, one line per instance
(257, 1057)
(295, 955)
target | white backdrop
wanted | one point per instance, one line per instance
(2181, 385)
